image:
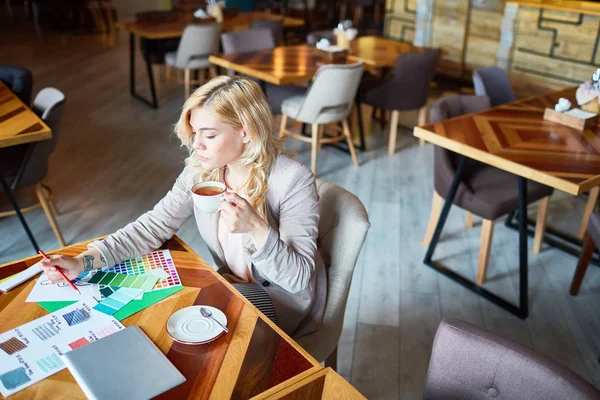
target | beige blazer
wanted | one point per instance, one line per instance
(288, 266)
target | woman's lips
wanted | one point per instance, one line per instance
(201, 158)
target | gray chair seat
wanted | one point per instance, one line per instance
(485, 190)
(193, 63)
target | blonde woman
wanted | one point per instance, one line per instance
(265, 240)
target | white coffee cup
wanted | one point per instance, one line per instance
(209, 202)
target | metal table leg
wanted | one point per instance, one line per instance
(522, 310)
(15, 206)
(132, 91)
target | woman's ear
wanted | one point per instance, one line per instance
(245, 136)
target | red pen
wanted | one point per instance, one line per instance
(61, 273)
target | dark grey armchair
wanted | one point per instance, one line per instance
(470, 363)
(27, 165)
(493, 83)
(485, 191)
(407, 89)
(19, 80)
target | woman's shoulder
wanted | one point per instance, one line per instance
(287, 169)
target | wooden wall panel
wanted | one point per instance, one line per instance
(400, 19)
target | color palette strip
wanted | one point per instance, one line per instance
(117, 300)
(144, 282)
(160, 259)
(12, 345)
(78, 343)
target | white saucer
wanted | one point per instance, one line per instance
(188, 326)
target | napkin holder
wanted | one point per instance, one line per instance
(576, 122)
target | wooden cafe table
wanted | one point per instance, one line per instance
(515, 138)
(172, 27)
(18, 125)
(254, 360)
(297, 64)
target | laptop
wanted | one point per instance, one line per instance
(124, 365)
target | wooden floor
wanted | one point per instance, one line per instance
(117, 157)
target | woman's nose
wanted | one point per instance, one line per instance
(198, 143)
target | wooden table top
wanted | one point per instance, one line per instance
(255, 359)
(173, 27)
(18, 124)
(325, 384)
(280, 66)
(515, 137)
(379, 52)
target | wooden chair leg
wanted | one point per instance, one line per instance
(358, 11)
(321, 129)
(469, 220)
(422, 120)
(540, 225)
(584, 260)
(349, 141)
(282, 125)
(187, 82)
(39, 191)
(487, 233)
(393, 132)
(589, 207)
(50, 197)
(314, 148)
(331, 360)
(343, 11)
(436, 208)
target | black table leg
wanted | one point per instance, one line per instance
(522, 310)
(132, 91)
(15, 206)
(361, 128)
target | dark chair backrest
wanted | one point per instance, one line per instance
(445, 161)
(49, 105)
(19, 80)
(247, 41)
(493, 82)
(468, 362)
(408, 89)
(275, 25)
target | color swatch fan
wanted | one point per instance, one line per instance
(140, 265)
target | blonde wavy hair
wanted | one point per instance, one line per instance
(241, 104)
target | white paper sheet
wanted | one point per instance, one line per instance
(32, 351)
(43, 290)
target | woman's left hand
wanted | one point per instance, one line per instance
(241, 217)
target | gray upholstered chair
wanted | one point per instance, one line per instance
(342, 231)
(590, 242)
(18, 80)
(196, 44)
(255, 40)
(274, 25)
(26, 166)
(493, 83)
(328, 99)
(468, 362)
(407, 89)
(484, 190)
(313, 37)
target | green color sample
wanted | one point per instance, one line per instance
(128, 281)
(139, 282)
(97, 277)
(118, 279)
(107, 278)
(150, 282)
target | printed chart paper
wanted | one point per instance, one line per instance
(43, 290)
(32, 351)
